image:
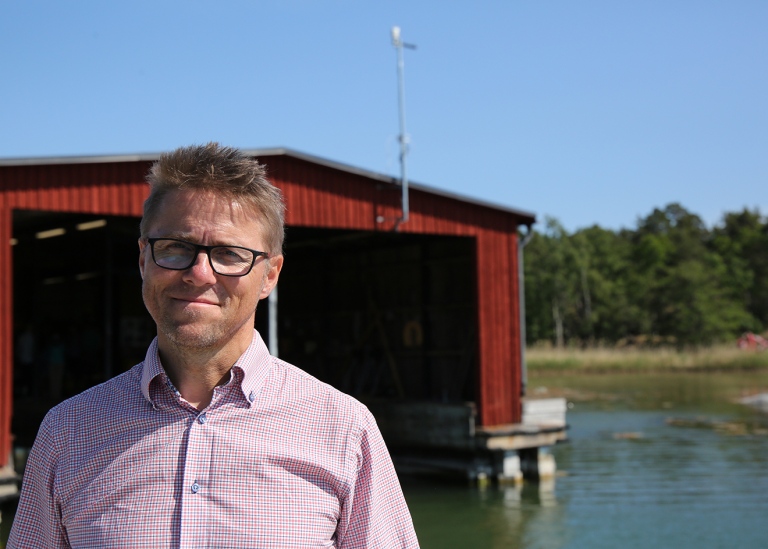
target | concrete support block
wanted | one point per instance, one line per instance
(547, 466)
(511, 471)
(505, 466)
(536, 464)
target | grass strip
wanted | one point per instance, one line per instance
(617, 360)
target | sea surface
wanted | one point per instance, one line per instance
(653, 461)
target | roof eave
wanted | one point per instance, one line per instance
(527, 218)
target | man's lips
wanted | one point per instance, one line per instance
(196, 300)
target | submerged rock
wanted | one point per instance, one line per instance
(736, 428)
(759, 401)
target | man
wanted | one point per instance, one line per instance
(210, 442)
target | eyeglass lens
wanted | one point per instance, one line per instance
(179, 255)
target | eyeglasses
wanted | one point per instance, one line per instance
(180, 255)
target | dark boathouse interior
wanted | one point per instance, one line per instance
(379, 315)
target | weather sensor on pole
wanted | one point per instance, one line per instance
(399, 45)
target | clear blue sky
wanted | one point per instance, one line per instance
(594, 112)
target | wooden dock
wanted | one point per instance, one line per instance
(426, 437)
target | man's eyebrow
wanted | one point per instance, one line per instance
(187, 237)
(179, 235)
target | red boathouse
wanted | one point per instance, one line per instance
(427, 314)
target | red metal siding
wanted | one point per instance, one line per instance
(498, 329)
(322, 197)
(6, 332)
(108, 189)
(316, 196)
(515, 340)
(319, 196)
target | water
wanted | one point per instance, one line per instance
(629, 478)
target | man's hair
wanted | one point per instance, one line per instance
(221, 170)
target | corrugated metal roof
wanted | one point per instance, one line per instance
(527, 217)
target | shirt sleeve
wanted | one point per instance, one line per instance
(374, 514)
(37, 524)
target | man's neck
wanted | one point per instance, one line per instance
(197, 372)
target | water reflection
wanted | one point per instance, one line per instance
(630, 477)
(449, 514)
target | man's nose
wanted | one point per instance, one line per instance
(201, 272)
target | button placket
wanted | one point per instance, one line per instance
(195, 499)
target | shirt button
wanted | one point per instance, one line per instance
(202, 419)
(252, 396)
(195, 488)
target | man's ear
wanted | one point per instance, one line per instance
(271, 276)
(142, 256)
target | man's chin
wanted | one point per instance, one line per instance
(192, 337)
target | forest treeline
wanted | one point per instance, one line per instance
(671, 280)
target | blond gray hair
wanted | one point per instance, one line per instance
(223, 170)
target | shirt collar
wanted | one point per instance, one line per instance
(252, 367)
(254, 364)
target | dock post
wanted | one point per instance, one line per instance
(537, 465)
(507, 467)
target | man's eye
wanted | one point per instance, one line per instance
(230, 254)
(173, 247)
(179, 247)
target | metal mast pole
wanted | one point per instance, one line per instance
(522, 241)
(272, 312)
(399, 45)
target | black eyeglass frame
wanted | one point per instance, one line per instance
(207, 249)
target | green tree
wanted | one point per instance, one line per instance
(680, 281)
(671, 277)
(602, 258)
(742, 243)
(550, 299)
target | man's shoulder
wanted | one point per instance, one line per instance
(106, 396)
(291, 384)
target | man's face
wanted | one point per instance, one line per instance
(197, 308)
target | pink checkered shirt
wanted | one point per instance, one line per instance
(277, 460)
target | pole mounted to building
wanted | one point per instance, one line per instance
(522, 240)
(399, 45)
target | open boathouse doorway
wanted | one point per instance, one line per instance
(381, 316)
(77, 312)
